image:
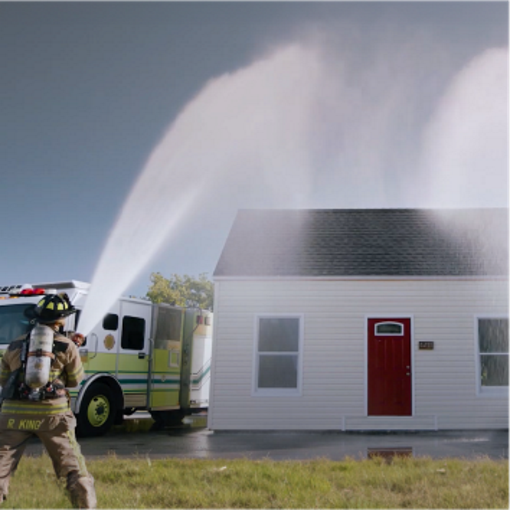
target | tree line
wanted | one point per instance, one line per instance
(182, 290)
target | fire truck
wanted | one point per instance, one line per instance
(141, 357)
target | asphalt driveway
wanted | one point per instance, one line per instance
(200, 443)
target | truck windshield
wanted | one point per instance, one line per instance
(13, 322)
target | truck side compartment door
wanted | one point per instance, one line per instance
(166, 357)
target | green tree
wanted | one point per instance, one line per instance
(182, 290)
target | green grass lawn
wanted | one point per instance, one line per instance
(242, 483)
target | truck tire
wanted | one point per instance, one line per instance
(97, 411)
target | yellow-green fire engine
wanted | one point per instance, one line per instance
(142, 356)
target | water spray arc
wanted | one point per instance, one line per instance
(253, 120)
(292, 127)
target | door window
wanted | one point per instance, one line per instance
(13, 322)
(111, 322)
(389, 328)
(133, 333)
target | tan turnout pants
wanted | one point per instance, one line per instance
(58, 437)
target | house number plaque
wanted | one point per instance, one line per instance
(426, 346)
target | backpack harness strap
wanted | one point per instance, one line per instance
(39, 353)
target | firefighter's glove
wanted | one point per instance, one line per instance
(56, 388)
(78, 339)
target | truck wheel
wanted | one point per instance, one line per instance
(97, 411)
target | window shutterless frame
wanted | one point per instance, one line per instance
(277, 392)
(486, 391)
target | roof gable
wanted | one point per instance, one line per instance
(366, 242)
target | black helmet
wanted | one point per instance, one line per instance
(51, 308)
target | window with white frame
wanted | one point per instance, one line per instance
(278, 355)
(493, 352)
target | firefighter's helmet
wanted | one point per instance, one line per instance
(51, 308)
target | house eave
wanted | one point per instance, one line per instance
(363, 278)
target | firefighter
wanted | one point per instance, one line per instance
(45, 411)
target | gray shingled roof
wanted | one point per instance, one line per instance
(367, 242)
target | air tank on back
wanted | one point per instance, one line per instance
(39, 358)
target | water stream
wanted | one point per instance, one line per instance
(291, 127)
(253, 122)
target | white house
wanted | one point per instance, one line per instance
(388, 319)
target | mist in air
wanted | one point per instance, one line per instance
(304, 127)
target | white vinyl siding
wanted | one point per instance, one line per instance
(333, 352)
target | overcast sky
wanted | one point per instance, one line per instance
(234, 105)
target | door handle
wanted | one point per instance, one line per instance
(141, 355)
(93, 336)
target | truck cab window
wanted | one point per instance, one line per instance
(13, 322)
(111, 322)
(133, 333)
(76, 319)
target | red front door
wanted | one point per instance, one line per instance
(389, 367)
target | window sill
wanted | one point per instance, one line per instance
(496, 391)
(277, 392)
